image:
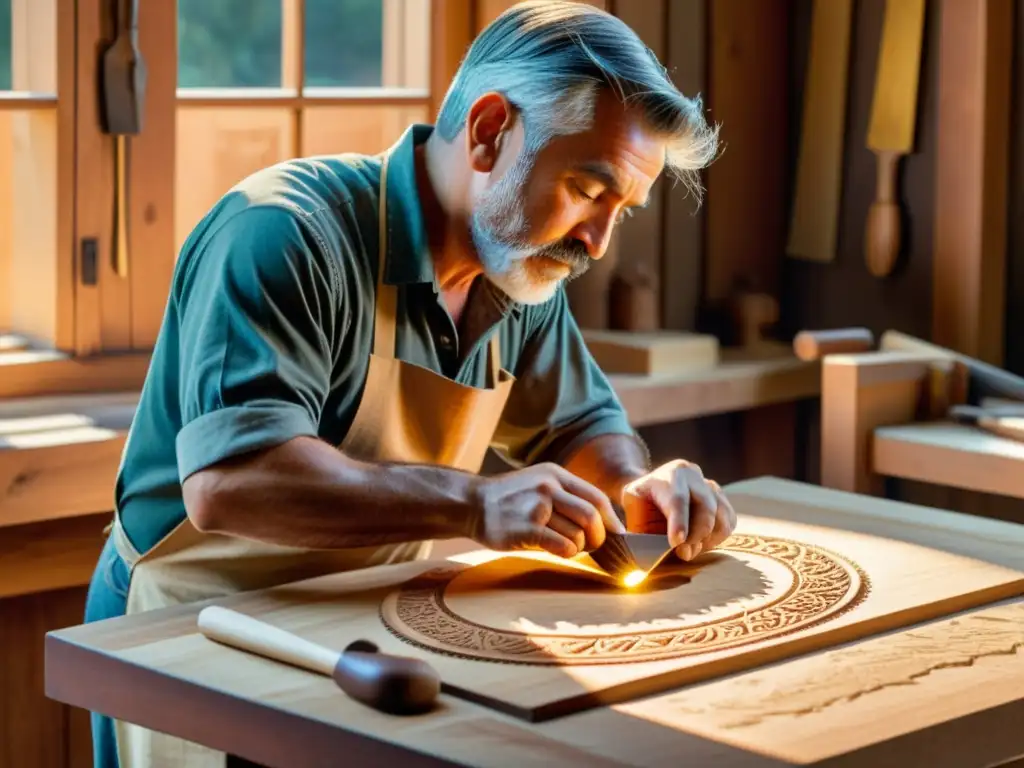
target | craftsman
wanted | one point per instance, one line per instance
(407, 309)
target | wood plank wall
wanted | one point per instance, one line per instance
(733, 54)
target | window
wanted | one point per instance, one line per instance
(29, 128)
(232, 86)
(290, 79)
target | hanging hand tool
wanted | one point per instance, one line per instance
(122, 92)
(819, 176)
(891, 132)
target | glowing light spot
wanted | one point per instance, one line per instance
(634, 578)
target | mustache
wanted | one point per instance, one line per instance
(572, 253)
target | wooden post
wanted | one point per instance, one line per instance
(860, 393)
(971, 171)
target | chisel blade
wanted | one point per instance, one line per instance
(623, 554)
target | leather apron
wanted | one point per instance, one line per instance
(407, 414)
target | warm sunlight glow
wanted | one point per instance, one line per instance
(633, 578)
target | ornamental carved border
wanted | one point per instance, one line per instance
(824, 586)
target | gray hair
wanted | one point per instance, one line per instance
(550, 59)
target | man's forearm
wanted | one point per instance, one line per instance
(307, 494)
(610, 462)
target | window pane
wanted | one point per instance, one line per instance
(28, 39)
(367, 43)
(229, 43)
(28, 222)
(217, 148)
(364, 129)
(5, 46)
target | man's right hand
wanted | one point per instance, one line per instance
(541, 507)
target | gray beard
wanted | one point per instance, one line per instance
(497, 228)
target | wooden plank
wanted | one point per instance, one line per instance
(747, 86)
(682, 262)
(67, 117)
(452, 28)
(814, 223)
(739, 383)
(151, 178)
(34, 730)
(50, 555)
(24, 374)
(6, 206)
(860, 393)
(971, 177)
(950, 454)
(652, 354)
(640, 235)
(94, 187)
(51, 445)
(835, 703)
(279, 715)
(992, 541)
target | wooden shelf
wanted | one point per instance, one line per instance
(952, 455)
(32, 372)
(745, 379)
(59, 455)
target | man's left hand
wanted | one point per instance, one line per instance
(676, 498)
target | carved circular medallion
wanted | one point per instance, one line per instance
(750, 589)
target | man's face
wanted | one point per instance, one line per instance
(548, 214)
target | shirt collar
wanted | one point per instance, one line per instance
(408, 258)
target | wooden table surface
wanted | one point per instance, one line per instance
(950, 454)
(946, 692)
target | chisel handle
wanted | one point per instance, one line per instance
(883, 235)
(393, 684)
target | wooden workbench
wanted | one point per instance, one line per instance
(59, 456)
(945, 692)
(955, 455)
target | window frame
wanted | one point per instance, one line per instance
(104, 332)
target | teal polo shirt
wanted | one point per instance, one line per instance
(269, 326)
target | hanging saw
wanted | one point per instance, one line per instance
(122, 93)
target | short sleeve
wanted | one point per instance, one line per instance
(561, 399)
(256, 311)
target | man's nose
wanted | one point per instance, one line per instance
(596, 234)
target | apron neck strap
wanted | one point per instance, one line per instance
(385, 326)
(495, 358)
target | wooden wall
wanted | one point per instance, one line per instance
(35, 731)
(843, 292)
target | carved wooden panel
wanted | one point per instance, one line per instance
(517, 609)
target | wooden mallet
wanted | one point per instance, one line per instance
(397, 685)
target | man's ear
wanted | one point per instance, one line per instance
(490, 119)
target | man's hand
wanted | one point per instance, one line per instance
(543, 506)
(677, 497)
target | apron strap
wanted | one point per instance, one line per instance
(384, 324)
(495, 359)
